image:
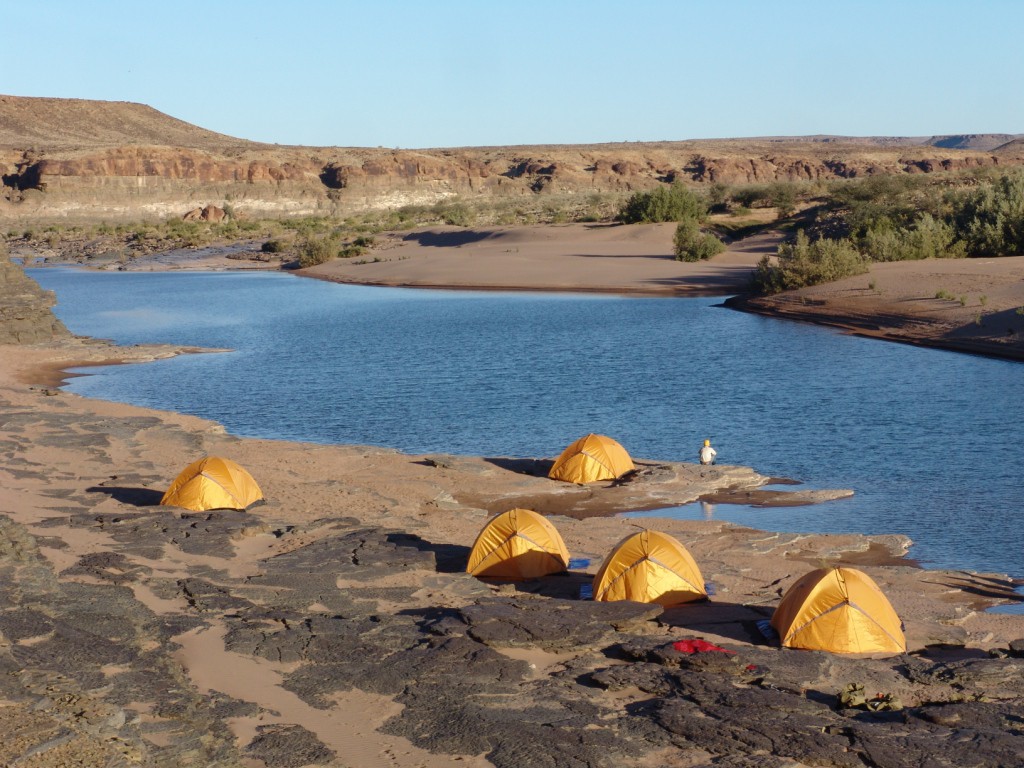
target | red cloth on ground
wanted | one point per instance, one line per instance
(698, 646)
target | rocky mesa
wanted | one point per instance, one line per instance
(80, 161)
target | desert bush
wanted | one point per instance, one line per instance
(718, 197)
(885, 201)
(308, 226)
(455, 214)
(750, 196)
(926, 238)
(691, 244)
(315, 250)
(805, 262)
(228, 229)
(357, 247)
(274, 246)
(782, 196)
(990, 218)
(249, 225)
(673, 203)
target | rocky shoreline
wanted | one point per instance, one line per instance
(333, 625)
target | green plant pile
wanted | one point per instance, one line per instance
(691, 244)
(897, 218)
(809, 262)
(676, 202)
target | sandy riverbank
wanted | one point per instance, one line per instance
(965, 305)
(969, 305)
(569, 257)
(332, 625)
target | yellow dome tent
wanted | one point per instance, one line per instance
(649, 567)
(518, 544)
(839, 610)
(591, 458)
(212, 483)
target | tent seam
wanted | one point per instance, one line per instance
(219, 485)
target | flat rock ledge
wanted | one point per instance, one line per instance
(89, 668)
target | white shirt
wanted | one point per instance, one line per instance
(707, 454)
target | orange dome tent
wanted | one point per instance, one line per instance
(649, 567)
(212, 483)
(518, 544)
(591, 458)
(840, 610)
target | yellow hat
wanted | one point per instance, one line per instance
(707, 442)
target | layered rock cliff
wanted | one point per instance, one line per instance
(26, 314)
(82, 160)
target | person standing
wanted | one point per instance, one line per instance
(707, 453)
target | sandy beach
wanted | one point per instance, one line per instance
(333, 625)
(568, 257)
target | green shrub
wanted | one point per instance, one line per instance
(805, 263)
(750, 196)
(927, 238)
(990, 219)
(274, 246)
(673, 203)
(718, 197)
(454, 214)
(317, 250)
(782, 196)
(693, 245)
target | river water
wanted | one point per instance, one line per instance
(929, 440)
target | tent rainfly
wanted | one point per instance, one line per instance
(516, 545)
(212, 483)
(592, 458)
(650, 567)
(840, 610)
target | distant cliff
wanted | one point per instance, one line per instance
(76, 160)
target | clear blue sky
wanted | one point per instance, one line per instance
(416, 73)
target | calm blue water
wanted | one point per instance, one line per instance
(929, 440)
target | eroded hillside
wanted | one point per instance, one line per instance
(77, 160)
